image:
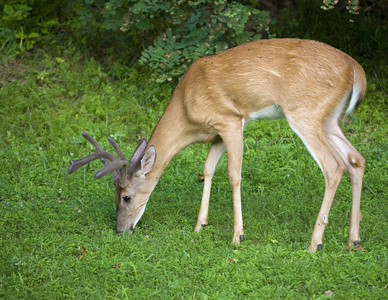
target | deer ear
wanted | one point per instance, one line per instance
(148, 160)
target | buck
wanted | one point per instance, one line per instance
(311, 84)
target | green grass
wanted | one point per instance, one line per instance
(46, 216)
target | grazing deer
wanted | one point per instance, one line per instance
(311, 84)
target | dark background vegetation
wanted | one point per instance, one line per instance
(109, 68)
(167, 36)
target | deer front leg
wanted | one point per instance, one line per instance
(233, 139)
(213, 157)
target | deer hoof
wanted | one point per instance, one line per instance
(357, 246)
(203, 225)
(241, 237)
(320, 247)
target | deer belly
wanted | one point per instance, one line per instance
(271, 112)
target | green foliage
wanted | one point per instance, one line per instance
(99, 16)
(167, 36)
(190, 30)
(364, 38)
(87, 25)
(352, 5)
(174, 33)
(27, 21)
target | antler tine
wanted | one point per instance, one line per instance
(117, 148)
(100, 153)
(111, 164)
(115, 174)
(109, 167)
(121, 162)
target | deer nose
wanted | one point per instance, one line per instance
(129, 230)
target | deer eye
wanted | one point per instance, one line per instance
(126, 198)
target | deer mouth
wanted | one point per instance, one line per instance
(128, 229)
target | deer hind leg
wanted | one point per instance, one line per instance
(314, 137)
(354, 163)
(215, 153)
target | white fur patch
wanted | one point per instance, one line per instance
(140, 213)
(307, 146)
(325, 221)
(355, 96)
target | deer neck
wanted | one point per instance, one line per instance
(170, 136)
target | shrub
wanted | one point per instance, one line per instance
(187, 30)
(84, 24)
(27, 21)
(166, 35)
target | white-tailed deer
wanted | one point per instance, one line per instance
(311, 84)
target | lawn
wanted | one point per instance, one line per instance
(57, 232)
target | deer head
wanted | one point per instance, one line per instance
(128, 176)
